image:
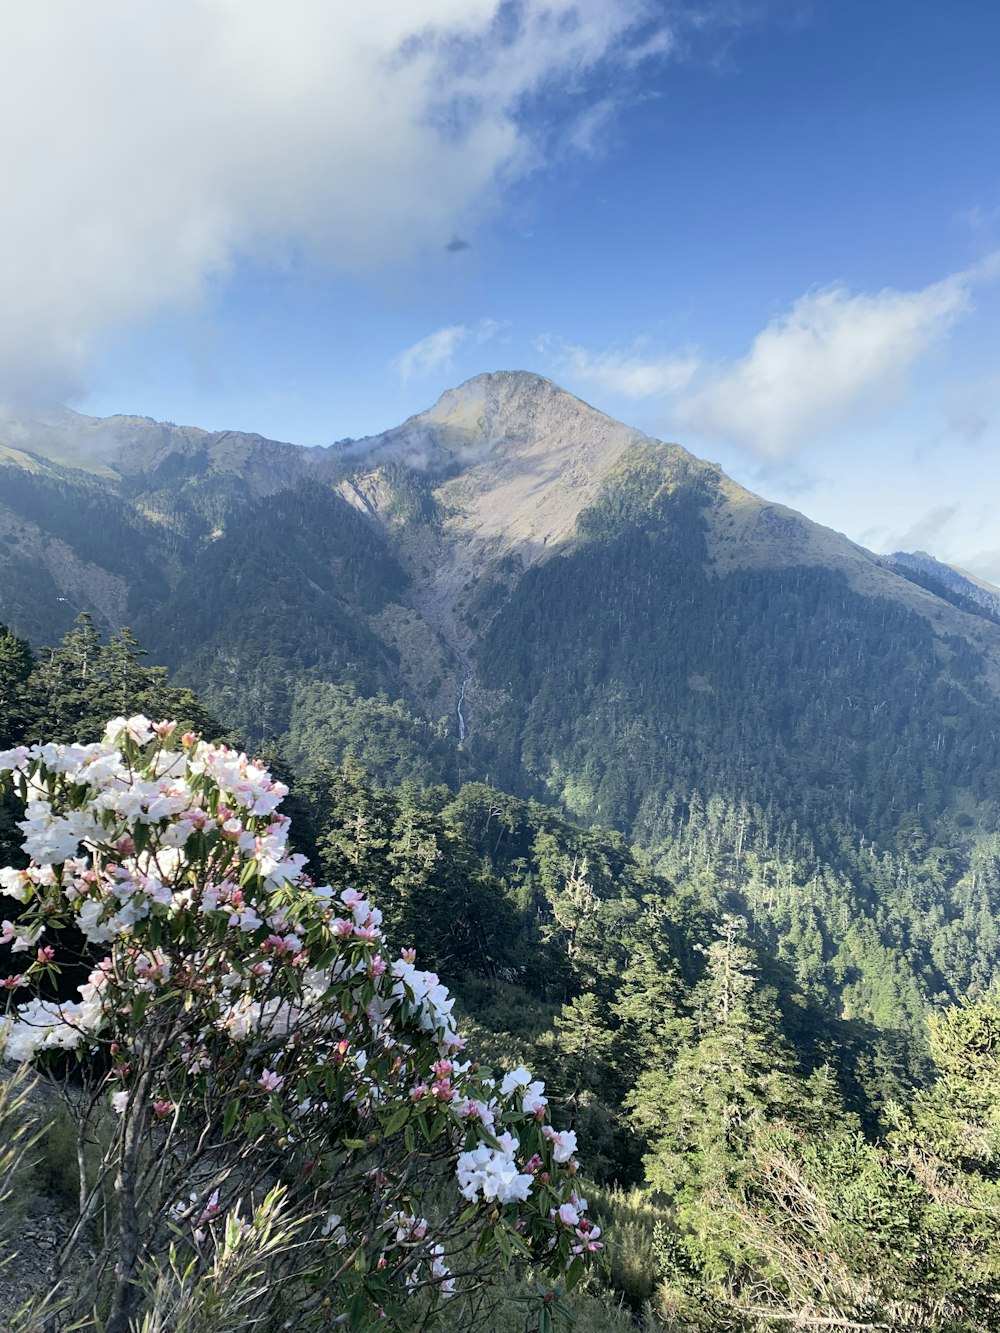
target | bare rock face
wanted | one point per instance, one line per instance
(519, 459)
(527, 455)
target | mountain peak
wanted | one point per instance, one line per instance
(519, 457)
(504, 403)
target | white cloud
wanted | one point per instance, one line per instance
(148, 148)
(436, 351)
(629, 374)
(986, 565)
(925, 533)
(830, 356)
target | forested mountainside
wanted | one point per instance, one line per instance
(511, 588)
(730, 1119)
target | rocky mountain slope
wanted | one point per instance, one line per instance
(486, 483)
(513, 587)
(148, 523)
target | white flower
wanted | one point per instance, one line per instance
(52, 839)
(431, 999)
(563, 1142)
(136, 728)
(89, 921)
(246, 920)
(315, 983)
(22, 943)
(532, 1090)
(492, 1172)
(517, 1078)
(13, 759)
(534, 1099)
(15, 883)
(42, 1025)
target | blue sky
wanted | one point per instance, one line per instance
(767, 230)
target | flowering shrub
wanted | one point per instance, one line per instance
(252, 1034)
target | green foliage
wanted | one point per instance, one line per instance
(736, 1071)
(16, 665)
(631, 1218)
(72, 690)
(816, 1224)
(772, 731)
(330, 723)
(254, 616)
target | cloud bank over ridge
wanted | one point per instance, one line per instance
(830, 356)
(830, 359)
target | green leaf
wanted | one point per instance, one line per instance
(230, 1117)
(396, 1121)
(574, 1273)
(356, 1307)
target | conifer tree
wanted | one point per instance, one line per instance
(737, 1072)
(16, 664)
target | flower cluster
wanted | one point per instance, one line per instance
(492, 1172)
(272, 995)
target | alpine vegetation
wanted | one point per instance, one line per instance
(265, 1097)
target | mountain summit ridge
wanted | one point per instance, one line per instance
(471, 493)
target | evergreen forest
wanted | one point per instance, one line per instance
(779, 1052)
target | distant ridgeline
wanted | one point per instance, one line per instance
(957, 587)
(793, 730)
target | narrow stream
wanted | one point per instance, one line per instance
(458, 710)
